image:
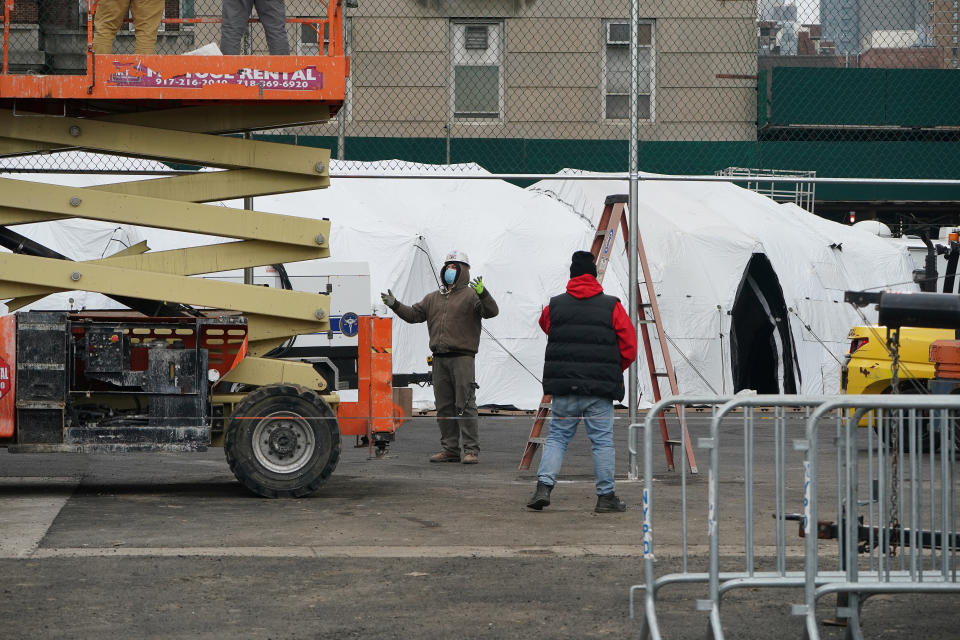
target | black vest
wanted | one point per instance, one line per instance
(583, 356)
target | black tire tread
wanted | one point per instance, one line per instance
(242, 469)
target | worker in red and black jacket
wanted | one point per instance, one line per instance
(590, 341)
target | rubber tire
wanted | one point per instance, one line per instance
(925, 437)
(238, 445)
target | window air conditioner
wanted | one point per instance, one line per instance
(618, 33)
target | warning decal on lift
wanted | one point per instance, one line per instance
(4, 377)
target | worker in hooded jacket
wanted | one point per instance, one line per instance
(590, 342)
(453, 316)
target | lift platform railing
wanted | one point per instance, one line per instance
(328, 29)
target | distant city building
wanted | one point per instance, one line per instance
(944, 24)
(889, 39)
(850, 22)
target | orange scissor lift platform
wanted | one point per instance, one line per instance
(124, 82)
(173, 109)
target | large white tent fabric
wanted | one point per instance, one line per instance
(700, 240)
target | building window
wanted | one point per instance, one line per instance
(476, 70)
(616, 70)
(308, 44)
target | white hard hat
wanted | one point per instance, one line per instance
(457, 256)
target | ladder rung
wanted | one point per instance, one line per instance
(536, 440)
(645, 321)
(644, 304)
(661, 374)
(546, 405)
(672, 443)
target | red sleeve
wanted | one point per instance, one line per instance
(545, 319)
(626, 336)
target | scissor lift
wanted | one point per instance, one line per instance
(174, 109)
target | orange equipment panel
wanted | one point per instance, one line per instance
(8, 363)
(191, 79)
(945, 355)
(188, 78)
(374, 411)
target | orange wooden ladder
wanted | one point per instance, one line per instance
(648, 315)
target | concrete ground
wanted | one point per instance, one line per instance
(171, 546)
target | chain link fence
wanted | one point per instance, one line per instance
(825, 88)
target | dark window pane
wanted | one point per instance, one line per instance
(618, 32)
(643, 107)
(477, 90)
(308, 34)
(645, 34)
(618, 107)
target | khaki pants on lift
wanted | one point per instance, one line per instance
(455, 393)
(146, 21)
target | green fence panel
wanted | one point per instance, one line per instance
(426, 150)
(550, 156)
(502, 155)
(828, 96)
(923, 98)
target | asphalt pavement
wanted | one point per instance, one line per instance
(172, 546)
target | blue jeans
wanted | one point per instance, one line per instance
(597, 414)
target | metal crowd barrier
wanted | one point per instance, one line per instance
(650, 626)
(853, 577)
(899, 472)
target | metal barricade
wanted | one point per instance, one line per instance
(902, 477)
(862, 565)
(749, 577)
(772, 408)
(652, 585)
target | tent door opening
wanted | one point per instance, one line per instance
(763, 357)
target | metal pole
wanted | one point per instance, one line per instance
(342, 113)
(247, 205)
(247, 201)
(632, 239)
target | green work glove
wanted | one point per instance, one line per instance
(477, 284)
(388, 298)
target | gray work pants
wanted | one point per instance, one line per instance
(272, 16)
(455, 393)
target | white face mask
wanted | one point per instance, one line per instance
(450, 275)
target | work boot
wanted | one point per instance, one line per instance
(541, 497)
(471, 458)
(445, 456)
(609, 503)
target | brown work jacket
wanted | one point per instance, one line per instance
(452, 315)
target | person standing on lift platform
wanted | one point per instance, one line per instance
(110, 15)
(273, 17)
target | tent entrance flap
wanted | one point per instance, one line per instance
(763, 357)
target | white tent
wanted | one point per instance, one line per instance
(731, 266)
(701, 239)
